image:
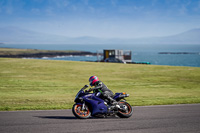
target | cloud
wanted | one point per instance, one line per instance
(183, 10)
(114, 2)
(35, 11)
(59, 3)
(6, 7)
(50, 11)
(197, 8)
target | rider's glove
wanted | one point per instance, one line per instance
(86, 86)
(90, 90)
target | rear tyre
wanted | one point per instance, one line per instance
(79, 113)
(126, 110)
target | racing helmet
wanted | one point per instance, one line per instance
(93, 80)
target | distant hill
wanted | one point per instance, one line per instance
(188, 37)
(14, 35)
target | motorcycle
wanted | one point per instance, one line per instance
(88, 105)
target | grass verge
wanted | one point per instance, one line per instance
(28, 84)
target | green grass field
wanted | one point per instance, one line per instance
(28, 84)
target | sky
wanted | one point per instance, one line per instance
(102, 18)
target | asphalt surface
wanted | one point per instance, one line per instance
(149, 119)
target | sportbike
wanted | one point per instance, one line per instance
(88, 104)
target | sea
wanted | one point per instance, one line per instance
(140, 52)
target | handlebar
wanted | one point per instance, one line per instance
(86, 86)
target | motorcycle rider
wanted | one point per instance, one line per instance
(101, 90)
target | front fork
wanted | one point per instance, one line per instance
(83, 106)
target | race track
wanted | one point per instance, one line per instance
(149, 119)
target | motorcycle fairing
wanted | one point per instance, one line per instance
(116, 95)
(97, 104)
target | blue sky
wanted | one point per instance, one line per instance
(102, 18)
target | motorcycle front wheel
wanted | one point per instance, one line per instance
(125, 110)
(81, 113)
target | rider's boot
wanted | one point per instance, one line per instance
(113, 102)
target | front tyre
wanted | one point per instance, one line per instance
(125, 110)
(79, 113)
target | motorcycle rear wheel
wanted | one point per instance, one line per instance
(79, 113)
(127, 110)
